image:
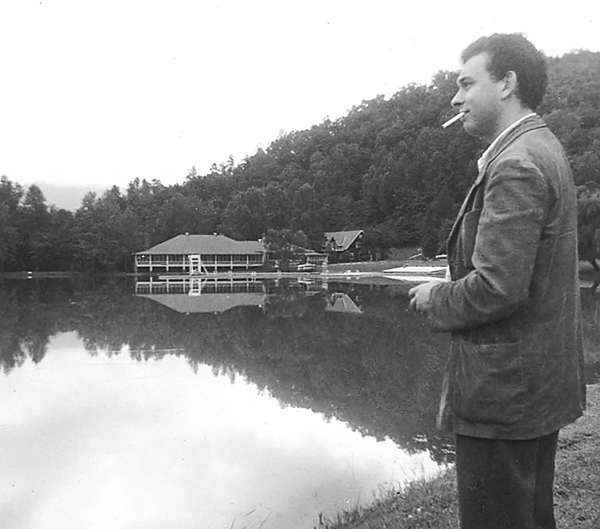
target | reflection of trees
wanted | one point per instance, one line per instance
(293, 305)
(30, 312)
(379, 371)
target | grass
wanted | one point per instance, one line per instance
(578, 469)
(432, 504)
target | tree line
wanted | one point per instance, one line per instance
(386, 167)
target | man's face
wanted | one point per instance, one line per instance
(479, 94)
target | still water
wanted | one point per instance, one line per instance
(214, 405)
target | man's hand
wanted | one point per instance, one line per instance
(419, 296)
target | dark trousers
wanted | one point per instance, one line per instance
(506, 484)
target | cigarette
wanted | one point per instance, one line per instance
(454, 119)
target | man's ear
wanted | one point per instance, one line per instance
(510, 84)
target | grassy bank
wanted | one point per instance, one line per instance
(432, 504)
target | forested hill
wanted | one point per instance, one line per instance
(387, 167)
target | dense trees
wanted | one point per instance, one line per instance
(10, 196)
(387, 167)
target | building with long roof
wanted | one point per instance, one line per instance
(200, 253)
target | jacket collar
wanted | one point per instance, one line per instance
(507, 137)
(499, 138)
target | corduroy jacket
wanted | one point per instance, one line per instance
(515, 368)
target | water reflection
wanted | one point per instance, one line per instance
(107, 441)
(211, 295)
(351, 357)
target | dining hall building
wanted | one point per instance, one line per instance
(189, 254)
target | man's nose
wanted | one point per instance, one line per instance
(457, 100)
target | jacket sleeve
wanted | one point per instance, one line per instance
(506, 242)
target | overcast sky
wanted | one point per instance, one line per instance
(102, 92)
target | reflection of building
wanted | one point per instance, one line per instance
(201, 253)
(343, 245)
(342, 302)
(197, 295)
(211, 295)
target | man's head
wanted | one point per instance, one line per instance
(503, 77)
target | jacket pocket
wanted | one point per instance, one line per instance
(490, 383)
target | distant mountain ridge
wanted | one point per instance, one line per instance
(67, 196)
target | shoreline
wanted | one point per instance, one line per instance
(365, 267)
(432, 504)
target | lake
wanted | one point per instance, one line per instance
(224, 404)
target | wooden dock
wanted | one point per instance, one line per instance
(398, 274)
(240, 275)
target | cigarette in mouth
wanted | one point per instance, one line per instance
(454, 119)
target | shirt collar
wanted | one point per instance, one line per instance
(484, 157)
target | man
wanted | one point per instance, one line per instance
(515, 371)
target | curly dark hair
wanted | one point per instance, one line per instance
(513, 52)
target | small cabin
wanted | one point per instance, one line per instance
(343, 246)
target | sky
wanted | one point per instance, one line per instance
(101, 93)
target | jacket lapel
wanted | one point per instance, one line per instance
(463, 209)
(532, 123)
